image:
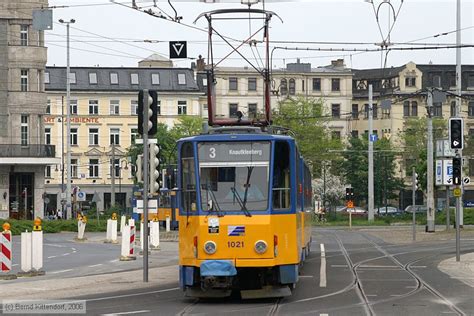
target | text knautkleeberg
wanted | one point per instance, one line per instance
(246, 152)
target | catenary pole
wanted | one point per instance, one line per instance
(146, 106)
(371, 159)
(112, 174)
(430, 214)
(459, 210)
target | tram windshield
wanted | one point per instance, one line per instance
(234, 176)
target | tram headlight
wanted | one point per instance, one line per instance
(260, 247)
(210, 247)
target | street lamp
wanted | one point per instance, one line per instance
(120, 173)
(68, 97)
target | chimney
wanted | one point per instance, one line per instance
(337, 63)
(200, 64)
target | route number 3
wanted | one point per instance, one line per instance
(212, 152)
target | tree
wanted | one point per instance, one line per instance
(304, 117)
(355, 168)
(329, 189)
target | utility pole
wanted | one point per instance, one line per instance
(413, 200)
(112, 175)
(459, 210)
(430, 214)
(146, 115)
(68, 101)
(371, 159)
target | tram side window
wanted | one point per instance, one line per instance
(188, 178)
(281, 176)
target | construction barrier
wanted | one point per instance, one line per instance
(168, 223)
(123, 220)
(131, 223)
(111, 236)
(32, 251)
(6, 249)
(26, 252)
(155, 234)
(127, 246)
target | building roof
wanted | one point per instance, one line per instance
(377, 73)
(168, 79)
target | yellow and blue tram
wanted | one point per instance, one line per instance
(244, 211)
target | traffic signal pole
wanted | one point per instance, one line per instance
(459, 209)
(145, 113)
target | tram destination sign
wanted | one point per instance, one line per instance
(234, 152)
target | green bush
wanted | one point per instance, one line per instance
(55, 226)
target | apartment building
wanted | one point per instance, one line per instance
(104, 123)
(23, 152)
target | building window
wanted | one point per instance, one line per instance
(470, 81)
(93, 168)
(181, 79)
(233, 108)
(336, 110)
(470, 109)
(182, 108)
(46, 77)
(134, 107)
(94, 107)
(114, 107)
(336, 135)
(47, 172)
(414, 108)
(24, 35)
(48, 106)
(24, 80)
(252, 84)
(73, 138)
(24, 130)
(316, 84)
(134, 78)
(159, 107)
(114, 78)
(72, 78)
(292, 87)
(283, 87)
(453, 108)
(410, 81)
(406, 108)
(366, 111)
(355, 134)
(355, 111)
(92, 78)
(233, 84)
(204, 82)
(155, 79)
(437, 81)
(47, 136)
(133, 135)
(74, 168)
(385, 113)
(115, 165)
(252, 111)
(303, 83)
(375, 111)
(115, 136)
(335, 84)
(73, 107)
(93, 136)
(437, 109)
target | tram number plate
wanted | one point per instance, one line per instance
(235, 244)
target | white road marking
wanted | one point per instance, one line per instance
(323, 314)
(50, 257)
(339, 265)
(128, 313)
(305, 276)
(66, 254)
(395, 295)
(95, 265)
(60, 271)
(370, 294)
(115, 260)
(322, 272)
(375, 266)
(417, 267)
(133, 294)
(73, 249)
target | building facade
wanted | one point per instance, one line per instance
(23, 152)
(104, 124)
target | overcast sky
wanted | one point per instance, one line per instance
(118, 32)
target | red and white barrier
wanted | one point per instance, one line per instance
(6, 251)
(155, 235)
(131, 223)
(127, 244)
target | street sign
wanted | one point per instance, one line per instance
(443, 149)
(457, 192)
(447, 172)
(80, 196)
(96, 197)
(466, 180)
(178, 49)
(373, 138)
(152, 206)
(439, 172)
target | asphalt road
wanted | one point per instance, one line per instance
(347, 273)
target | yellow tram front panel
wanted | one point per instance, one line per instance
(235, 239)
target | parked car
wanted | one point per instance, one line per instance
(418, 209)
(356, 211)
(389, 210)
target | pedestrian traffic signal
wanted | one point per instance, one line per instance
(457, 171)
(154, 186)
(139, 170)
(415, 181)
(456, 132)
(349, 194)
(152, 108)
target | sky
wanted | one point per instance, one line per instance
(108, 34)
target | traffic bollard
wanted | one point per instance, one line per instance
(113, 237)
(81, 228)
(168, 224)
(155, 234)
(126, 245)
(123, 220)
(32, 251)
(26, 262)
(108, 234)
(6, 253)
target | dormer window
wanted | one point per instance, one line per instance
(92, 78)
(134, 78)
(410, 81)
(113, 78)
(155, 79)
(181, 79)
(72, 78)
(46, 77)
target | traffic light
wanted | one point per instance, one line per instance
(139, 170)
(155, 166)
(457, 171)
(152, 112)
(349, 194)
(456, 132)
(415, 181)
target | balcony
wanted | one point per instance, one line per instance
(30, 151)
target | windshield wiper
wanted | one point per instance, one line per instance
(247, 185)
(241, 203)
(214, 202)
